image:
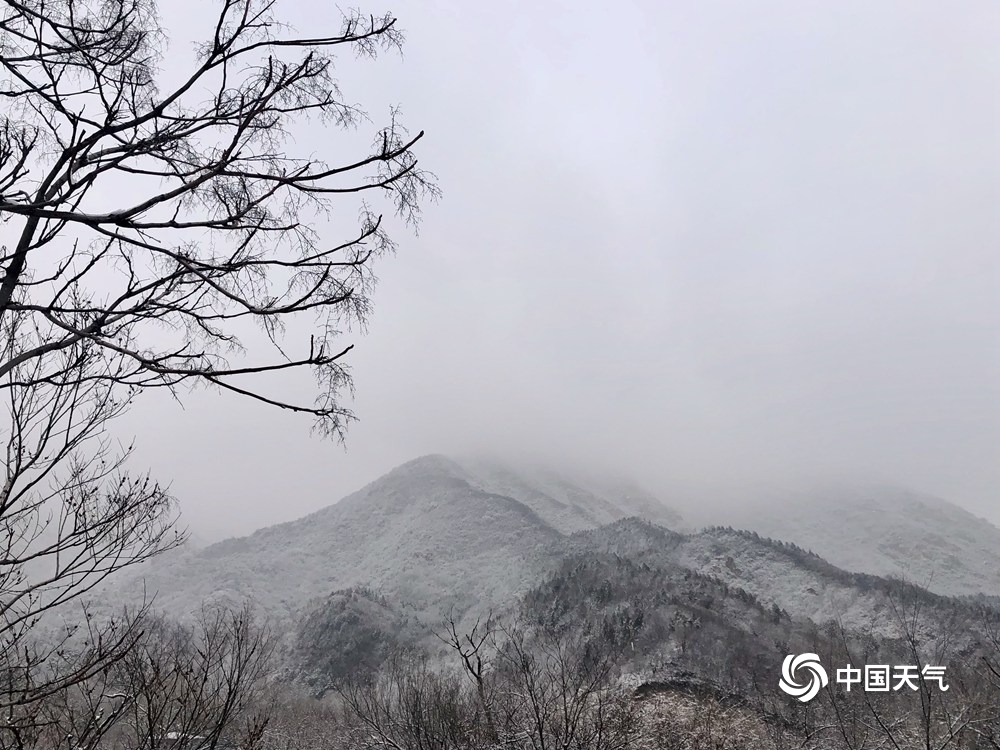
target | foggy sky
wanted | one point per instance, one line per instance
(699, 243)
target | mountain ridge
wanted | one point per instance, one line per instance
(415, 534)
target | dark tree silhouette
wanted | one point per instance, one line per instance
(150, 227)
(147, 225)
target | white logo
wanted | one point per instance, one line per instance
(806, 691)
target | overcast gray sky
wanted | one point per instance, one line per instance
(701, 243)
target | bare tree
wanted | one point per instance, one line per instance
(537, 691)
(150, 226)
(682, 722)
(921, 711)
(214, 224)
(180, 686)
(70, 516)
(558, 691)
(409, 705)
(300, 721)
(476, 651)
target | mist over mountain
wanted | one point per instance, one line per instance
(432, 534)
(887, 531)
(439, 538)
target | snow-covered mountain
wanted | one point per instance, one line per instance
(885, 531)
(433, 534)
(438, 537)
(775, 573)
(438, 534)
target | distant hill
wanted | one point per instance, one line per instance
(775, 574)
(886, 531)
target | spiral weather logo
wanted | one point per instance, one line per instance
(805, 691)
